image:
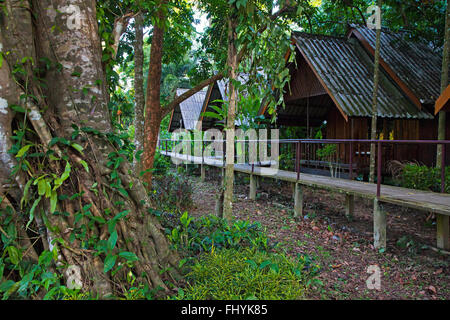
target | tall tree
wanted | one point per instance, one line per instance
(233, 64)
(444, 84)
(89, 213)
(376, 77)
(139, 94)
(250, 28)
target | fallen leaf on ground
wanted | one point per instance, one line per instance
(432, 289)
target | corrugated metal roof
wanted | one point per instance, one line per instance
(347, 72)
(219, 92)
(415, 63)
(187, 111)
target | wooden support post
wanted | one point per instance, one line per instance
(258, 182)
(219, 199)
(219, 204)
(293, 190)
(349, 206)
(298, 200)
(202, 172)
(443, 232)
(252, 194)
(379, 225)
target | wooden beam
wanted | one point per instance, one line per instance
(205, 103)
(443, 233)
(379, 225)
(252, 194)
(442, 104)
(298, 200)
(349, 206)
(202, 172)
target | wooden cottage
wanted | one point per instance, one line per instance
(332, 83)
(187, 113)
(217, 94)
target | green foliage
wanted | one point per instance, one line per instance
(327, 152)
(20, 276)
(171, 191)
(161, 165)
(208, 232)
(414, 176)
(232, 274)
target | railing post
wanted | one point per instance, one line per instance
(443, 167)
(298, 158)
(351, 161)
(379, 171)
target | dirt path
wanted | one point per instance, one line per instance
(343, 249)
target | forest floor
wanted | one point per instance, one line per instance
(342, 248)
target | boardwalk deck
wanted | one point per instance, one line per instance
(422, 200)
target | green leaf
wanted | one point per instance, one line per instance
(5, 286)
(129, 256)
(85, 165)
(53, 201)
(109, 263)
(64, 176)
(42, 187)
(274, 267)
(264, 264)
(14, 254)
(17, 108)
(23, 150)
(112, 240)
(25, 194)
(252, 263)
(33, 208)
(212, 115)
(77, 147)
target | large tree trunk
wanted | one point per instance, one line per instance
(153, 103)
(233, 64)
(76, 94)
(444, 84)
(139, 95)
(376, 77)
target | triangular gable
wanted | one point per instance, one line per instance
(413, 65)
(443, 103)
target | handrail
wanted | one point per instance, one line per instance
(299, 142)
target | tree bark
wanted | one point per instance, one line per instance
(75, 52)
(139, 95)
(373, 134)
(444, 84)
(153, 104)
(232, 63)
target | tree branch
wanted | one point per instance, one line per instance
(120, 26)
(170, 106)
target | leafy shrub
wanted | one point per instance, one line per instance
(172, 192)
(207, 232)
(231, 274)
(414, 176)
(161, 165)
(327, 152)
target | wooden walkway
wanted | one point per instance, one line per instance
(422, 200)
